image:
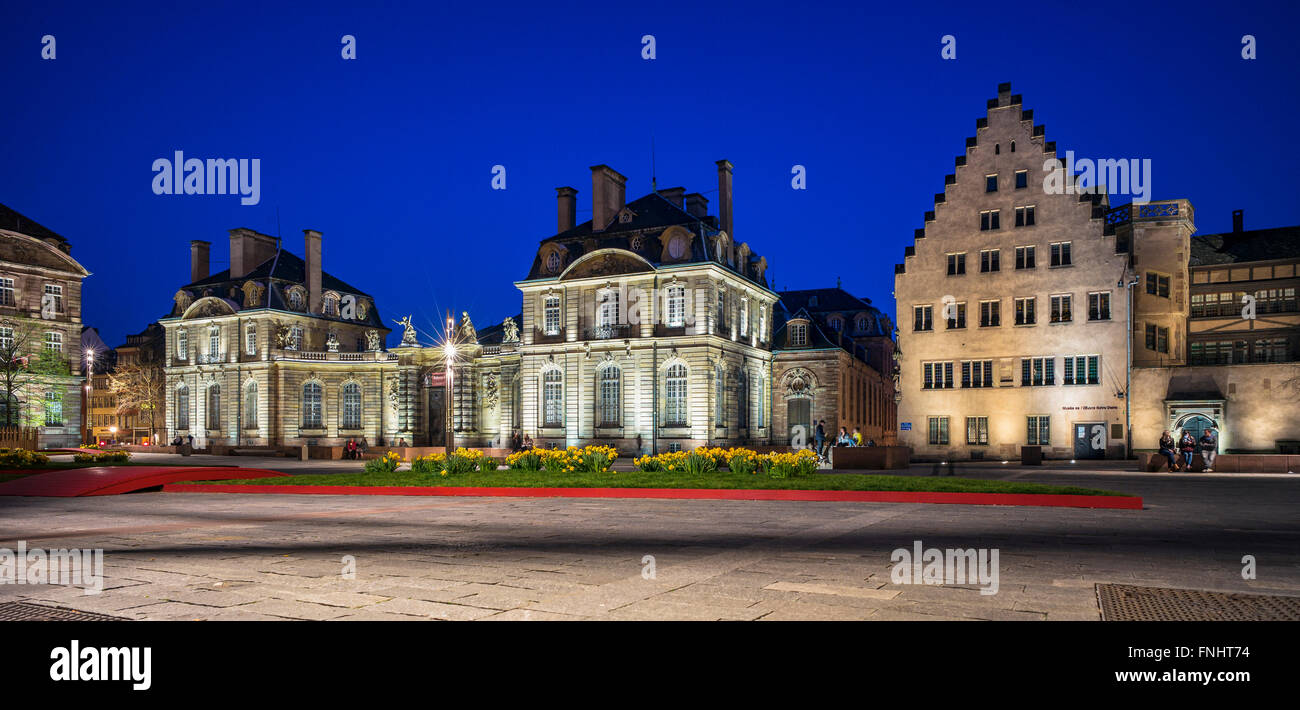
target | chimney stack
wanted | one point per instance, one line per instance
(607, 196)
(312, 252)
(248, 249)
(724, 196)
(567, 199)
(675, 195)
(697, 205)
(1238, 220)
(199, 259)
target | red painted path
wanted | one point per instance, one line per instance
(111, 480)
(1029, 499)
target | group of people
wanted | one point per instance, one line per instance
(1180, 453)
(520, 443)
(354, 450)
(843, 439)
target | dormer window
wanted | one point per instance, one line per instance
(798, 334)
(860, 324)
(297, 300)
(638, 243)
(625, 216)
(836, 323)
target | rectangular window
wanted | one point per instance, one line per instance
(7, 292)
(551, 317)
(1061, 254)
(1157, 285)
(798, 334)
(1024, 257)
(55, 294)
(977, 431)
(990, 314)
(1099, 306)
(1022, 179)
(977, 373)
(1040, 430)
(53, 342)
(1025, 311)
(990, 219)
(1025, 216)
(744, 317)
(6, 342)
(676, 306)
(956, 264)
(553, 399)
(939, 431)
(958, 315)
(923, 318)
(53, 408)
(1080, 370)
(991, 183)
(936, 375)
(607, 312)
(1061, 311)
(1037, 371)
(990, 261)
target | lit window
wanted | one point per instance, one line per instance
(610, 396)
(214, 407)
(311, 406)
(53, 342)
(552, 399)
(675, 401)
(676, 306)
(351, 406)
(551, 319)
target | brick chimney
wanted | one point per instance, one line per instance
(675, 195)
(311, 250)
(248, 249)
(199, 250)
(724, 196)
(607, 196)
(697, 205)
(1238, 221)
(567, 208)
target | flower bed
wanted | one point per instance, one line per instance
(22, 458)
(745, 461)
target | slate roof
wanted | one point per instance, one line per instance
(1250, 245)
(821, 302)
(651, 215)
(15, 221)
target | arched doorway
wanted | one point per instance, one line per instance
(1194, 423)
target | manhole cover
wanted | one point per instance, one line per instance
(1121, 602)
(24, 611)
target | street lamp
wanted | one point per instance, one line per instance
(449, 352)
(90, 378)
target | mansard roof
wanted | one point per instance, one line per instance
(649, 217)
(15, 221)
(824, 301)
(1250, 245)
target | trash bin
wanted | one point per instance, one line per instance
(1031, 456)
(186, 449)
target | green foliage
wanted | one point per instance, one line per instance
(22, 458)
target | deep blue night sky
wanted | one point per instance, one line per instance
(390, 155)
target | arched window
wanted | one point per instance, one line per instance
(249, 415)
(610, 396)
(352, 406)
(719, 406)
(552, 399)
(214, 406)
(250, 339)
(182, 344)
(836, 323)
(183, 406)
(676, 306)
(311, 406)
(675, 399)
(330, 305)
(297, 301)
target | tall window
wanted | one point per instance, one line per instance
(742, 401)
(214, 342)
(607, 312)
(1157, 338)
(183, 407)
(1099, 306)
(923, 318)
(1157, 285)
(991, 183)
(676, 306)
(249, 415)
(990, 260)
(836, 323)
(1025, 311)
(719, 406)
(956, 264)
(182, 344)
(1040, 431)
(938, 431)
(55, 294)
(760, 409)
(1022, 179)
(744, 316)
(1061, 311)
(675, 399)
(250, 339)
(798, 334)
(53, 408)
(330, 305)
(7, 292)
(552, 399)
(6, 339)
(611, 396)
(214, 406)
(977, 430)
(295, 337)
(722, 308)
(312, 417)
(1061, 254)
(957, 317)
(53, 342)
(296, 300)
(1025, 257)
(351, 406)
(762, 322)
(551, 316)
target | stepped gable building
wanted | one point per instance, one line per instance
(833, 361)
(1216, 333)
(40, 320)
(1013, 306)
(274, 351)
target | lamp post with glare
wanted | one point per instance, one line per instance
(449, 353)
(85, 409)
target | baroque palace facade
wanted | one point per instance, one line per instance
(1019, 303)
(647, 328)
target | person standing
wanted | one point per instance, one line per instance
(820, 435)
(1209, 447)
(1187, 447)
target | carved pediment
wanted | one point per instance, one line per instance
(607, 262)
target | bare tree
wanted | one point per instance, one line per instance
(28, 371)
(138, 387)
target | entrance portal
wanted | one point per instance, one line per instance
(1089, 440)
